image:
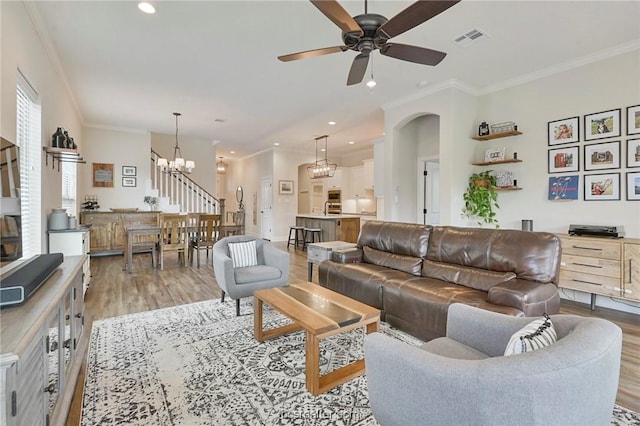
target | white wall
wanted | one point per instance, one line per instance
(532, 105)
(120, 148)
(23, 48)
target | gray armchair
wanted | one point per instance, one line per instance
(272, 269)
(464, 378)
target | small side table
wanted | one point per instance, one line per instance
(318, 252)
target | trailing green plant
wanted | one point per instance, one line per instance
(481, 198)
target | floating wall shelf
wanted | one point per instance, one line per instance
(63, 155)
(497, 135)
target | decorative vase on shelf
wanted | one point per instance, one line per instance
(58, 139)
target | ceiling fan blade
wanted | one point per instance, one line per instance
(419, 55)
(338, 15)
(413, 16)
(312, 53)
(358, 68)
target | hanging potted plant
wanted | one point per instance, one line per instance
(481, 198)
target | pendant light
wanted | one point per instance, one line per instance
(321, 168)
(221, 167)
(178, 164)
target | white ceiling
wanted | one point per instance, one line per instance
(217, 60)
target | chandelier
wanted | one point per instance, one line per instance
(221, 167)
(322, 168)
(178, 164)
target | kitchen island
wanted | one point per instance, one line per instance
(335, 227)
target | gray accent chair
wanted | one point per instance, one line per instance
(272, 269)
(464, 379)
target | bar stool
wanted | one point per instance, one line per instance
(296, 236)
(314, 233)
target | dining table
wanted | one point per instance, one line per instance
(134, 231)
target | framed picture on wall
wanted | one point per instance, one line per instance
(564, 159)
(128, 170)
(633, 120)
(601, 125)
(602, 187)
(564, 131)
(563, 187)
(129, 181)
(103, 175)
(633, 186)
(633, 153)
(602, 156)
(286, 187)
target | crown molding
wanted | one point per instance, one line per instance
(117, 129)
(576, 63)
(445, 85)
(45, 38)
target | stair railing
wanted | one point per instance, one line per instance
(183, 191)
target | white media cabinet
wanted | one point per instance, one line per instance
(42, 344)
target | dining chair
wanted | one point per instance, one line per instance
(207, 233)
(174, 236)
(141, 242)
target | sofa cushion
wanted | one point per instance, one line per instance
(535, 335)
(243, 254)
(409, 264)
(479, 279)
(533, 256)
(408, 239)
(251, 274)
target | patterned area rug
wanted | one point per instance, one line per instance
(199, 364)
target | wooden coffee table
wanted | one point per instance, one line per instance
(321, 313)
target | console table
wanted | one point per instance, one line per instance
(43, 343)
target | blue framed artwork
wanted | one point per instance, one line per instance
(563, 187)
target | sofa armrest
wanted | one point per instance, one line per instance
(349, 255)
(223, 269)
(486, 331)
(530, 297)
(276, 258)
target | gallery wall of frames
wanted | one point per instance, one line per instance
(609, 161)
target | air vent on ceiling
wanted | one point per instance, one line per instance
(469, 37)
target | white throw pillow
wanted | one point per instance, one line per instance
(243, 254)
(535, 335)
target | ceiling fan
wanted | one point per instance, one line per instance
(370, 31)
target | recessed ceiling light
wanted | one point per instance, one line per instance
(146, 7)
(276, 143)
(351, 142)
(332, 123)
(323, 149)
(232, 152)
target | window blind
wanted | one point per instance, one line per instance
(69, 174)
(28, 131)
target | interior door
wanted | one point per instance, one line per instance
(429, 192)
(266, 210)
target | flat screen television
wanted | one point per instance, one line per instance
(10, 213)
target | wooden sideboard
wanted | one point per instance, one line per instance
(108, 228)
(43, 343)
(601, 266)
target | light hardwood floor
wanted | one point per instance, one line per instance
(113, 292)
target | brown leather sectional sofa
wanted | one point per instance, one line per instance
(412, 273)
